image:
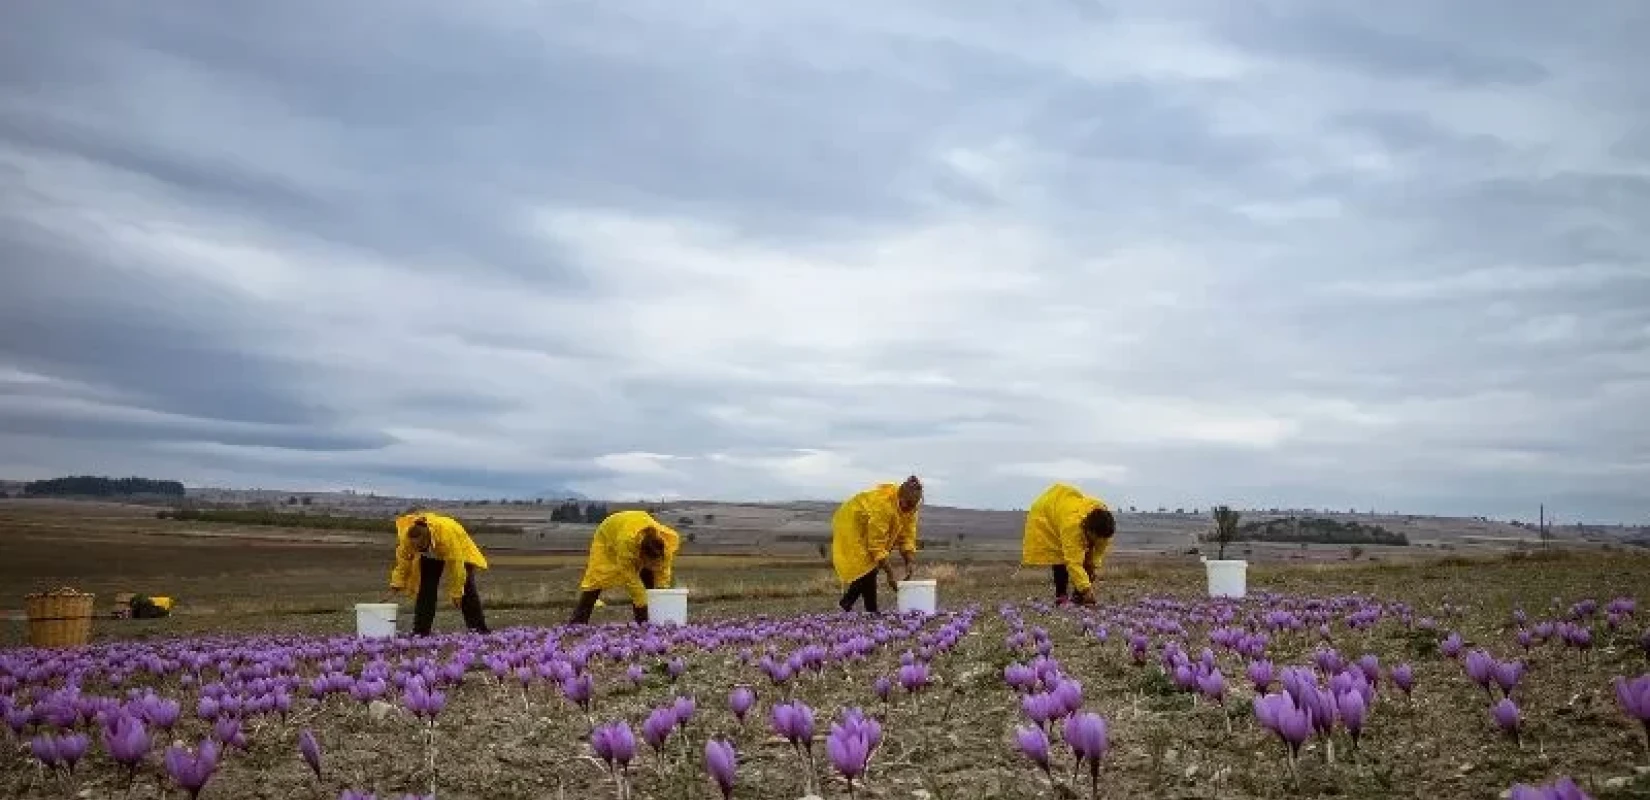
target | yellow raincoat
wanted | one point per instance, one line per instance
(866, 528)
(1054, 533)
(615, 555)
(448, 542)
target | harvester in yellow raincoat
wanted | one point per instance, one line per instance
(865, 529)
(632, 551)
(1072, 533)
(433, 552)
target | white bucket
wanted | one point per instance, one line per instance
(1227, 578)
(667, 606)
(375, 620)
(918, 596)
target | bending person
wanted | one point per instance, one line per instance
(432, 552)
(1071, 533)
(865, 528)
(632, 551)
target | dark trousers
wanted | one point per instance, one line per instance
(864, 586)
(429, 592)
(587, 602)
(1062, 581)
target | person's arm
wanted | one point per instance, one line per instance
(908, 545)
(1074, 550)
(452, 579)
(664, 577)
(401, 570)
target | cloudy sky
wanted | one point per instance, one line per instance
(1387, 255)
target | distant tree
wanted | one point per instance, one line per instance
(93, 486)
(1180, 511)
(595, 512)
(292, 500)
(692, 537)
(685, 521)
(307, 500)
(824, 550)
(1226, 523)
(710, 517)
(1355, 552)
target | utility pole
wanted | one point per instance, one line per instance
(1542, 526)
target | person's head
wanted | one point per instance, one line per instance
(1100, 524)
(652, 546)
(910, 494)
(419, 536)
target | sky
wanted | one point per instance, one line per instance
(1388, 256)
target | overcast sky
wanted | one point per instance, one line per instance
(1264, 253)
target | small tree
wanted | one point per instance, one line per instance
(1226, 523)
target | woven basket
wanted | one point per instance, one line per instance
(59, 618)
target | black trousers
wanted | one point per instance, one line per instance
(587, 602)
(864, 586)
(429, 592)
(1062, 581)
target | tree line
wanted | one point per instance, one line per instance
(328, 522)
(573, 511)
(1316, 530)
(96, 486)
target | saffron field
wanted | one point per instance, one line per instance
(1459, 679)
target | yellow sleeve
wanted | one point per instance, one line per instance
(1103, 550)
(908, 542)
(1072, 549)
(402, 569)
(453, 577)
(880, 527)
(626, 560)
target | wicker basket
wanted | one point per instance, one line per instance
(59, 618)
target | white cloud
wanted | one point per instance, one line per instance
(1307, 257)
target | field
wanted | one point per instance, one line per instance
(260, 623)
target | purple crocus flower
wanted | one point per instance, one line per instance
(794, 721)
(310, 750)
(1562, 789)
(683, 707)
(914, 677)
(1506, 675)
(849, 752)
(883, 687)
(127, 741)
(1634, 698)
(72, 747)
(1034, 745)
(1451, 646)
(634, 674)
(721, 763)
(1352, 711)
(1403, 677)
(191, 770)
(1212, 685)
(44, 748)
(675, 668)
(578, 691)
(1480, 667)
(614, 743)
(658, 727)
(1505, 714)
(740, 701)
(1261, 675)
(1086, 734)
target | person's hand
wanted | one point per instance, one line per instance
(1085, 597)
(893, 585)
(910, 570)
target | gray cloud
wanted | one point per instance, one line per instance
(1182, 255)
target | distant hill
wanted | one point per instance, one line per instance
(559, 494)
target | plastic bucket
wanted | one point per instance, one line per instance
(375, 620)
(667, 606)
(1228, 578)
(918, 596)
